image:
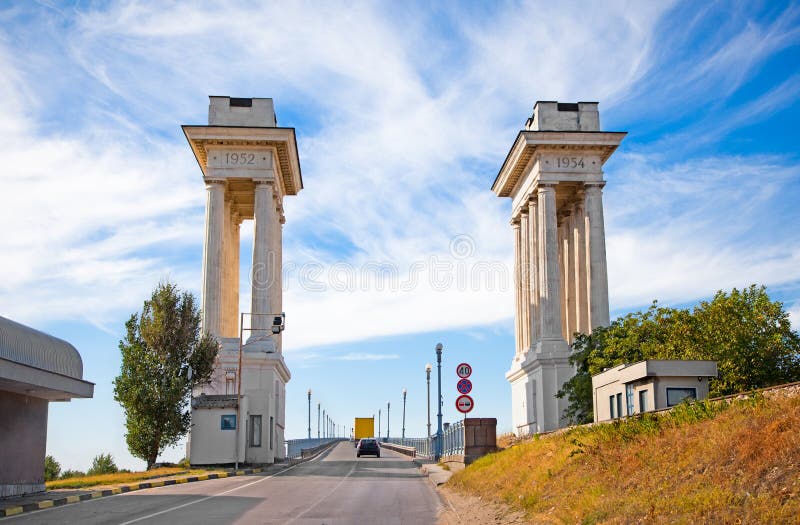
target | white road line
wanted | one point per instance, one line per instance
(207, 497)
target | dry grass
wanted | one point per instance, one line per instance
(117, 478)
(703, 463)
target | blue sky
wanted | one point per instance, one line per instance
(403, 117)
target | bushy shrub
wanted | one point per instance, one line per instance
(102, 464)
(51, 468)
(72, 474)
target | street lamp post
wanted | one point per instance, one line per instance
(403, 435)
(319, 405)
(428, 369)
(379, 424)
(309, 413)
(439, 415)
(388, 406)
(325, 425)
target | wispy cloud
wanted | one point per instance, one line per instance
(402, 125)
(366, 357)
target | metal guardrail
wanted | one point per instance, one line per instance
(301, 448)
(452, 442)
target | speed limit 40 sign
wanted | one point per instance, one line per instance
(464, 370)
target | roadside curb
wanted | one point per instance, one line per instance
(436, 474)
(131, 487)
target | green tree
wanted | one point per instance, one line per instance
(746, 333)
(102, 464)
(52, 468)
(164, 356)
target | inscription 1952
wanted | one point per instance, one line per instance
(240, 159)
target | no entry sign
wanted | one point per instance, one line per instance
(464, 370)
(464, 386)
(464, 404)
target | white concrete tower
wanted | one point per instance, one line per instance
(249, 165)
(553, 174)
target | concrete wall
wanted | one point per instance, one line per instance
(23, 443)
(210, 444)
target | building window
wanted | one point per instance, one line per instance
(676, 395)
(230, 383)
(255, 431)
(619, 404)
(612, 404)
(228, 422)
(642, 400)
(629, 399)
(271, 430)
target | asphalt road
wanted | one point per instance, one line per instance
(335, 488)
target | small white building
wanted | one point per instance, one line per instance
(649, 385)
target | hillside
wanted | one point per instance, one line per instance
(710, 462)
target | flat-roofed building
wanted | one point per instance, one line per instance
(35, 369)
(649, 385)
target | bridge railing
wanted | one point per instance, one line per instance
(452, 442)
(296, 447)
(422, 445)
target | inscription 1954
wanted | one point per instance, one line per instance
(570, 162)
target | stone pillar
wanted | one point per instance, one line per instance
(533, 258)
(279, 275)
(524, 285)
(569, 274)
(225, 306)
(581, 281)
(236, 221)
(562, 245)
(212, 257)
(515, 225)
(263, 262)
(549, 279)
(598, 274)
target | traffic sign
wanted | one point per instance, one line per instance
(464, 404)
(464, 386)
(464, 370)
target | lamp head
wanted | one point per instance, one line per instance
(309, 392)
(439, 347)
(404, 392)
(428, 368)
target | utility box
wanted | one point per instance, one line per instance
(364, 427)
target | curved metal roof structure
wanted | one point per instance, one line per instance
(26, 346)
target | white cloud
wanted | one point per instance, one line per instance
(401, 131)
(684, 232)
(794, 316)
(367, 357)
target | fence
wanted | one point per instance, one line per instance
(452, 442)
(295, 447)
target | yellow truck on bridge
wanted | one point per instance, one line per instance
(364, 427)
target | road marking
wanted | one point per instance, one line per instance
(206, 498)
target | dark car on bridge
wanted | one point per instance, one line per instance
(368, 446)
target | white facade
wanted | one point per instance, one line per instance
(249, 165)
(553, 174)
(650, 385)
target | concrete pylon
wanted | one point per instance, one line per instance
(249, 165)
(553, 175)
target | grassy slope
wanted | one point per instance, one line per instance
(713, 463)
